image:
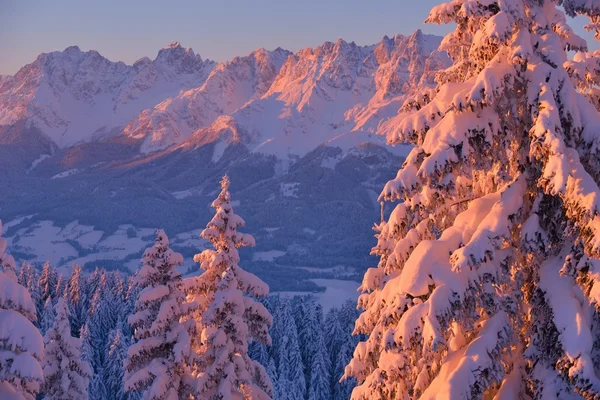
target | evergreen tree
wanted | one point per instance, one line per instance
(232, 316)
(474, 296)
(105, 309)
(48, 316)
(25, 273)
(66, 374)
(343, 388)
(334, 337)
(21, 344)
(290, 371)
(97, 387)
(272, 373)
(133, 291)
(76, 293)
(158, 362)
(93, 282)
(113, 373)
(61, 286)
(320, 372)
(87, 350)
(259, 352)
(308, 317)
(47, 282)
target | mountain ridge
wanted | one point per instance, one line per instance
(78, 97)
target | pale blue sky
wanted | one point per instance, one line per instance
(126, 30)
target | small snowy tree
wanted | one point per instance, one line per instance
(476, 294)
(21, 344)
(232, 315)
(158, 362)
(66, 374)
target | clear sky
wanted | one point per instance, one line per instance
(125, 30)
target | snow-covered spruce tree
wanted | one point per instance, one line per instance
(76, 293)
(272, 373)
(66, 375)
(47, 282)
(475, 294)
(104, 314)
(342, 389)
(87, 351)
(290, 369)
(320, 371)
(48, 316)
(97, 388)
(113, 372)
(61, 286)
(21, 344)
(157, 363)
(232, 316)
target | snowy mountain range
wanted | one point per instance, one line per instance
(116, 149)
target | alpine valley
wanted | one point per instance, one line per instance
(95, 154)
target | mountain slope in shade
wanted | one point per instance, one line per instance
(336, 94)
(74, 96)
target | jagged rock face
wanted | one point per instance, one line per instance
(74, 96)
(273, 101)
(290, 103)
(229, 87)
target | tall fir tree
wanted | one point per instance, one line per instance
(93, 282)
(76, 297)
(334, 337)
(272, 373)
(97, 388)
(47, 282)
(21, 344)
(104, 314)
(342, 388)
(158, 362)
(61, 286)
(48, 316)
(113, 371)
(66, 374)
(232, 315)
(320, 371)
(476, 293)
(290, 369)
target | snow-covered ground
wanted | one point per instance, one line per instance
(267, 255)
(336, 294)
(65, 173)
(77, 244)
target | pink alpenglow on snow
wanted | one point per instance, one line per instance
(21, 344)
(157, 364)
(488, 280)
(231, 315)
(66, 375)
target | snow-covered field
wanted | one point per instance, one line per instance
(337, 292)
(77, 244)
